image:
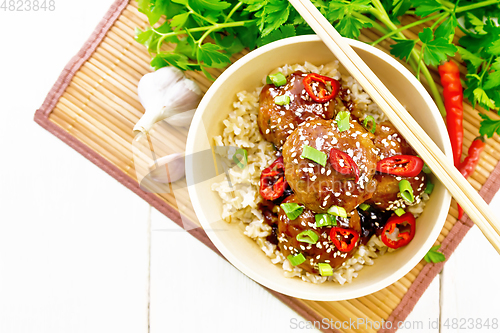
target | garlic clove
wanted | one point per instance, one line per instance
(153, 87)
(182, 119)
(168, 169)
(167, 93)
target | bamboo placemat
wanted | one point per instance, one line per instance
(93, 107)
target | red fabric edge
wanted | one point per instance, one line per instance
(41, 117)
(448, 246)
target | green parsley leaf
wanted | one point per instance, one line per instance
(477, 24)
(342, 13)
(426, 7)
(179, 20)
(278, 12)
(400, 7)
(447, 28)
(284, 31)
(170, 59)
(209, 4)
(351, 26)
(474, 60)
(403, 47)
(437, 51)
(494, 48)
(426, 35)
(492, 80)
(212, 56)
(434, 256)
(482, 98)
(489, 126)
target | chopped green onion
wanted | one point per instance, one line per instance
(314, 155)
(308, 236)
(241, 162)
(364, 207)
(406, 190)
(292, 209)
(282, 100)
(372, 120)
(399, 211)
(325, 269)
(337, 211)
(323, 220)
(277, 79)
(429, 188)
(426, 169)
(342, 119)
(296, 259)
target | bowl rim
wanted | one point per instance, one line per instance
(399, 273)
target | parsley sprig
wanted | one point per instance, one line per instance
(206, 33)
(434, 256)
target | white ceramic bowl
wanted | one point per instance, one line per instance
(243, 252)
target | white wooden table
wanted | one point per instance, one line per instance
(81, 253)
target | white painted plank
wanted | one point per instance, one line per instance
(73, 241)
(470, 284)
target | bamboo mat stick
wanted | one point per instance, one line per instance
(115, 79)
(375, 300)
(116, 71)
(95, 131)
(59, 117)
(103, 55)
(110, 126)
(378, 310)
(463, 192)
(370, 310)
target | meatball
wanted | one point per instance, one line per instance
(277, 122)
(387, 196)
(390, 142)
(318, 187)
(324, 251)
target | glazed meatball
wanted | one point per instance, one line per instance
(277, 122)
(387, 196)
(389, 142)
(318, 187)
(324, 251)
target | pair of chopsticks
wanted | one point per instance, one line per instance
(442, 168)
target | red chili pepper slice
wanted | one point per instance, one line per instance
(406, 225)
(343, 163)
(319, 92)
(401, 165)
(344, 239)
(470, 163)
(272, 180)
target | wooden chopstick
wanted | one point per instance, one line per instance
(441, 166)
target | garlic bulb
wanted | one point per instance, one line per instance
(168, 169)
(166, 94)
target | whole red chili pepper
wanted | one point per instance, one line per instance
(344, 239)
(406, 226)
(343, 163)
(318, 91)
(272, 180)
(453, 96)
(401, 165)
(470, 163)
